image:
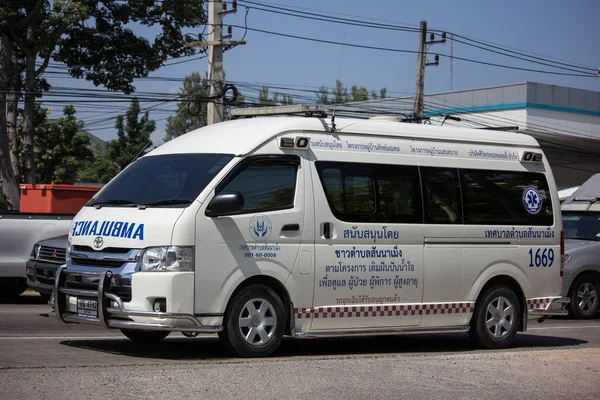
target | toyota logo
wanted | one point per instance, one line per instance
(98, 242)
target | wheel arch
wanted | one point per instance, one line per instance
(512, 284)
(594, 273)
(279, 288)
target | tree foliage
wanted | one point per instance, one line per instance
(96, 40)
(339, 94)
(190, 114)
(265, 100)
(133, 135)
(100, 170)
(60, 150)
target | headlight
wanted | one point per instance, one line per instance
(35, 253)
(168, 259)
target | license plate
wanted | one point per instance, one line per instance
(87, 308)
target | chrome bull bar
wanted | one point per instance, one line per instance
(550, 309)
(120, 317)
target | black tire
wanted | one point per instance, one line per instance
(263, 334)
(585, 297)
(10, 288)
(140, 336)
(504, 324)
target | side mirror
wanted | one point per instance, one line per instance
(225, 204)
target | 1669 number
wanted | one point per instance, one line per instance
(541, 257)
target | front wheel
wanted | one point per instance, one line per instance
(585, 298)
(254, 322)
(496, 319)
(145, 336)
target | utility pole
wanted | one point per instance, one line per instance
(421, 64)
(214, 107)
(451, 62)
(215, 44)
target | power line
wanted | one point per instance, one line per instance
(362, 23)
(414, 52)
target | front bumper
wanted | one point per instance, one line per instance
(112, 312)
(42, 278)
(552, 308)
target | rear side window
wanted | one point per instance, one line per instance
(266, 185)
(371, 192)
(441, 196)
(505, 198)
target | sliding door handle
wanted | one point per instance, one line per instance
(290, 227)
(327, 230)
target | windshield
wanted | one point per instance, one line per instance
(173, 180)
(581, 225)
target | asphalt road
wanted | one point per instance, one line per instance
(43, 358)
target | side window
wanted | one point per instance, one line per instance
(441, 195)
(372, 192)
(266, 185)
(505, 198)
(360, 194)
(399, 194)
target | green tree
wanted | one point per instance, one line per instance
(94, 38)
(265, 100)
(60, 151)
(323, 95)
(133, 135)
(191, 113)
(339, 94)
(101, 170)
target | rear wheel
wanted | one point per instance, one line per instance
(496, 319)
(145, 336)
(584, 294)
(254, 322)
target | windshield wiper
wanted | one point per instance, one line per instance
(169, 202)
(99, 204)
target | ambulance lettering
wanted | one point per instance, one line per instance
(127, 230)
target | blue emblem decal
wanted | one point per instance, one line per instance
(532, 201)
(260, 228)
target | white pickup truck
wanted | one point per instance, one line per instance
(18, 232)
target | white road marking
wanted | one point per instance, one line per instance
(548, 328)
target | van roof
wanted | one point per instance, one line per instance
(242, 136)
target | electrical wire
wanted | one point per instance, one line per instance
(416, 52)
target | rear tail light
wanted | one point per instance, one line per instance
(562, 254)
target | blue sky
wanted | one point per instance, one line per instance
(566, 30)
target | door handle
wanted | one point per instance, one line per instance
(327, 230)
(290, 227)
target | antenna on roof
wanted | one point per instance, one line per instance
(333, 127)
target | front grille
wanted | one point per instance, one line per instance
(91, 262)
(113, 250)
(124, 292)
(52, 254)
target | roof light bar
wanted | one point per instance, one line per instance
(309, 110)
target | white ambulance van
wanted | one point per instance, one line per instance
(264, 227)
